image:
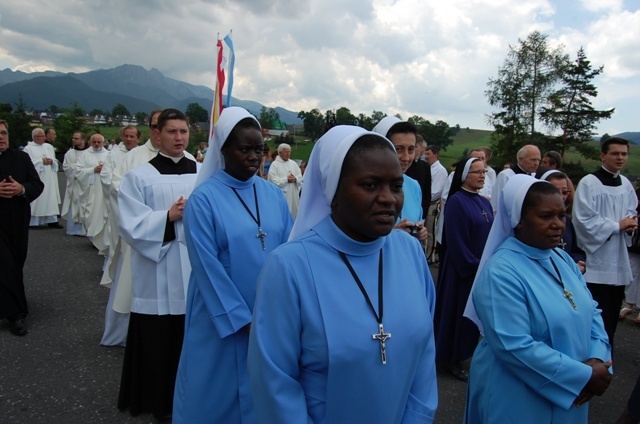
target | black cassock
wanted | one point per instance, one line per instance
(15, 214)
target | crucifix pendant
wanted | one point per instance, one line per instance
(486, 216)
(261, 236)
(562, 244)
(382, 337)
(569, 296)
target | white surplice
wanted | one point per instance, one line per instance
(160, 270)
(92, 201)
(278, 174)
(45, 209)
(71, 203)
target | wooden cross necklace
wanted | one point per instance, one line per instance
(261, 235)
(380, 336)
(567, 294)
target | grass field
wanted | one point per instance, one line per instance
(468, 139)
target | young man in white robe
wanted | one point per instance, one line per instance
(439, 180)
(119, 304)
(92, 202)
(71, 203)
(151, 201)
(604, 217)
(45, 209)
(286, 174)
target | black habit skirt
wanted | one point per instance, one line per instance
(150, 364)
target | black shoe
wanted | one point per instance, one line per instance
(54, 225)
(18, 327)
(459, 373)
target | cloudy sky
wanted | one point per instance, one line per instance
(413, 57)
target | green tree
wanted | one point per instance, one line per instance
(141, 118)
(438, 134)
(377, 116)
(70, 121)
(196, 113)
(329, 119)
(120, 109)
(19, 123)
(313, 122)
(570, 109)
(269, 117)
(345, 117)
(521, 89)
(604, 137)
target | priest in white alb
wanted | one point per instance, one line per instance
(92, 203)
(130, 136)
(71, 203)
(285, 173)
(45, 209)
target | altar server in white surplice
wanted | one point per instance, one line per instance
(151, 201)
(286, 174)
(71, 203)
(92, 204)
(45, 209)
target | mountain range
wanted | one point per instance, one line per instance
(138, 89)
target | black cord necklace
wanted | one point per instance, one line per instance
(558, 278)
(380, 336)
(261, 235)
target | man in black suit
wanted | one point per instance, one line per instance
(19, 185)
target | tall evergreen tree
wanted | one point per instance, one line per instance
(570, 109)
(520, 90)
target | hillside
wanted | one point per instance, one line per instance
(468, 139)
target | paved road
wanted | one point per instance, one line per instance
(59, 374)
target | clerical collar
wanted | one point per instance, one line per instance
(175, 160)
(518, 170)
(615, 174)
(469, 191)
(608, 178)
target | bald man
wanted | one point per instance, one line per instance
(528, 162)
(45, 209)
(92, 202)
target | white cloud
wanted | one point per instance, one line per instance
(412, 57)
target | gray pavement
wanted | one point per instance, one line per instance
(58, 373)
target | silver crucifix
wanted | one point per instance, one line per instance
(261, 236)
(382, 337)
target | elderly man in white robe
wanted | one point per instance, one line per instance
(71, 203)
(130, 136)
(92, 202)
(286, 174)
(45, 209)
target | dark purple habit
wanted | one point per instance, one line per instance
(468, 219)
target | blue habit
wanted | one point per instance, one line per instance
(226, 257)
(529, 366)
(468, 219)
(312, 358)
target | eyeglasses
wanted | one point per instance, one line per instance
(479, 172)
(4, 133)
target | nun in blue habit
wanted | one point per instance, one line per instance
(342, 326)
(545, 353)
(233, 220)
